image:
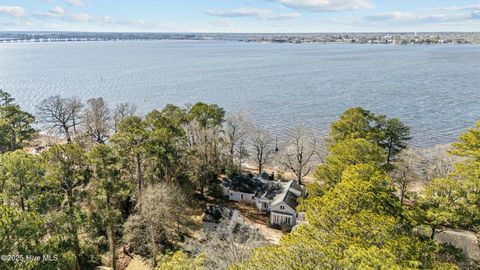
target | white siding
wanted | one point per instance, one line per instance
(225, 191)
(241, 197)
(209, 226)
(235, 219)
(263, 205)
(280, 219)
(283, 208)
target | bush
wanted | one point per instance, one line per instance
(216, 190)
(231, 170)
(285, 228)
(179, 260)
(275, 226)
(89, 256)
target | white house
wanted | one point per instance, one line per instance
(242, 189)
(283, 206)
(279, 199)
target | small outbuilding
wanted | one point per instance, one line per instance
(214, 215)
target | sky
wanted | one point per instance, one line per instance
(240, 16)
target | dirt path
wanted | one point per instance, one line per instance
(271, 235)
(137, 263)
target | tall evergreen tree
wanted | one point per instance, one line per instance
(15, 124)
(66, 173)
(108, 191)
(20, 177)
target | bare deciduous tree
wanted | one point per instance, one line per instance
(224, 248)
(405, 173)
(299, 152)
(204, 154)
(263, 147)
(59, 114)
(158, 218)
(123, 110)
(241, 152)
(97, 119)
(235, 130)
(435, 163)
(75, 105)
(420, 166)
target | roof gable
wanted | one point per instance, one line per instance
(290, 194)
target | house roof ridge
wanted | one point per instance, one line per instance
(282, 195)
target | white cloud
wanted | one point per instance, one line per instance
(15, 11)
(476, 15)
(75, 3)
(460, 8)
(57, 10)
(283, 16)
(223, 23)
(60, 14)
(83, 17)
(15, 24)
(115, 22)
(135, 24)
(326, 5)
(107, 19)
(262, 14)
(391, 16)
(239, 12)
(408, 17)
(440, 15)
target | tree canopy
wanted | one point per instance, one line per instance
(358, 123)
(122, 184)
(15, 124)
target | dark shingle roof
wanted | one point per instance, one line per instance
(296, 186)
(291, 200)
(215, 214)
(245, 184)
(273, 190)
(265, 176)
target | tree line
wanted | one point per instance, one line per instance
(117, 178)
(121, 178)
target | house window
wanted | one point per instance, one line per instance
(253, 197)
(288, 220)
(241, 196)
(282, 207)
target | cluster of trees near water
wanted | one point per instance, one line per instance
(121, 183)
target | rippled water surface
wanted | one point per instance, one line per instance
(434, 89)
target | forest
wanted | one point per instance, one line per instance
(85, 184)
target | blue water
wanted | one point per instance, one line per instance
(434, 89)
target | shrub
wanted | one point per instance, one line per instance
(231, 170)
(216, 190)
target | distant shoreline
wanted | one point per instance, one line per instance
(322, 38)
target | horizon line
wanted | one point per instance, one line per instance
(201, 32)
